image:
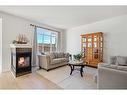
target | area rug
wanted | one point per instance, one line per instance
(61, 76)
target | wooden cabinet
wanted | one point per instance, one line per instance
(92, 48)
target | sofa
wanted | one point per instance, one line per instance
(53, 60)
(113, 75)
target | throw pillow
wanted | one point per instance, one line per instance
(66, 55)
(111, 66)
(113, 60)
(60, 54)
(52, 55)
(56, 54)
(122, 60)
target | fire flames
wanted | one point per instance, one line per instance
(22, 61)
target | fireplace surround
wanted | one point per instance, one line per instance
(20, 59)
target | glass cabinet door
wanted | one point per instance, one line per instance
(83, 39)
(89, 44)
(95, 44)
(95, 38)
(84, 44)
(95, 53)
(89, 38)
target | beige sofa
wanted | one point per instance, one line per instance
(112, 75)
(53, 60)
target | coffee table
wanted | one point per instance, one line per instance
(74, 64)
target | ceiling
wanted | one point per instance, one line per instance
(65, 17)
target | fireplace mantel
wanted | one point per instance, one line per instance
(20, 46)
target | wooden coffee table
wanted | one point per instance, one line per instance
(74, 64)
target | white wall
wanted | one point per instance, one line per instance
(0, 45)
(12, 27)
(115, 36)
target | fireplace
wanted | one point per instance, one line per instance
(21, 60)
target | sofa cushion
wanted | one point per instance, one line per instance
(117, 67)
(111, 66)
(124, 68)
(59, 60)
(121, 60)
(63, 59)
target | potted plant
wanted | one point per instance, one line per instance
(78, 56)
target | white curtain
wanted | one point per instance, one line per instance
(59, 42)
(34, 54)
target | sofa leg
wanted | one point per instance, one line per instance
(47, 70)
(40, 67)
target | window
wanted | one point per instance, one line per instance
(47, 40)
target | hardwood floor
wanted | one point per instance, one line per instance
(29, 81)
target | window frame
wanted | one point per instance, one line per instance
(43, 44)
